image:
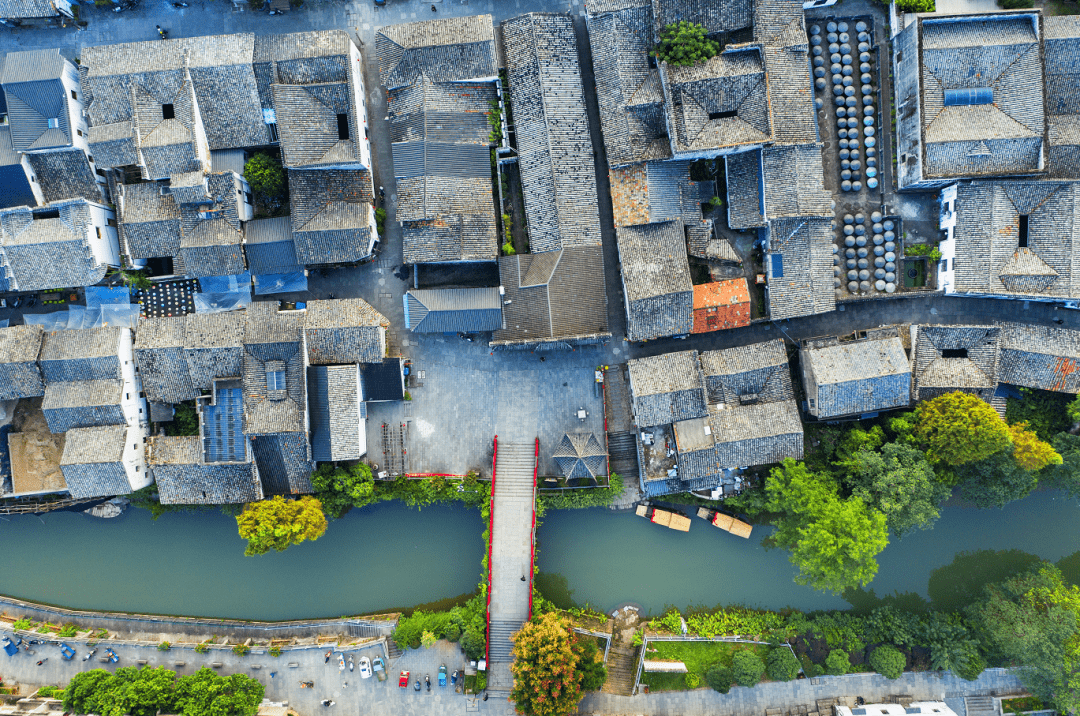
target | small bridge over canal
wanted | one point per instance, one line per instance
(510, 562)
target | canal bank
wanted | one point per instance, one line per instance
(388, 556)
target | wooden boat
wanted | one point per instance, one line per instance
(726, 522)
(671, 520)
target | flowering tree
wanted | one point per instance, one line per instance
(546, 679)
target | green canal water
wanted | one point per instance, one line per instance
(390, 556)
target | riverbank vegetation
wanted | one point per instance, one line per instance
(861, 482)
(148, 692)
(701, 658)
(1029, 619)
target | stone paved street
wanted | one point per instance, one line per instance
(369, 696)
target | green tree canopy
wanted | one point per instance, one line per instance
(782, 664)
(888, 661)
(590, 664)
(719, 678)
(837, 662)
(684, 43)
(265, 175)
(1065, 476)
(277, 523)
(148, 691)
(900, 483)
(205, 693)
(340, 488)
(547, 681)
(747, 667)
(995, 481)
(832, 541)
(959, 428)
(1032, 620)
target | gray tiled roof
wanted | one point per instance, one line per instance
(218, 68)
(272, 336)
(714, 15)
(627, 88)
(1000, 52)
(440, 112)
(447, 219)
(656, 191)
(554, 296)
(667, 388)
(975, 372)
(82, 404)
(113, 145)
(745, 190)
(779, 26)
(47, 253)
(92, 462)
(555, 152)
(703, 243)
(211, 235)
(331, 214)
(344, 331)
(168, 146)
(989, 259)
(20, 376)
(87, 354)
(303, 58)
(35, 95)
(858, 376)
(732, 81)
(334, 392)
(580, 456)
(159, 355)
(800, 248)
(182, 479)
(24, 9)
(656, 279)
(65, 174)
(307, 121)
(213, 346)
(793, 182)
(446, 50)
(284, 462)
(149, 221)
(1061, 65)
(1043, 357)
(757, 433)
(452, 310)
(756, 373)
(269, 246)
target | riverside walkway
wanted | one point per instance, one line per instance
(511, 562)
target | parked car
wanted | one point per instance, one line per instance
(379, 668)
(365, 668)
(403, 680)
(442, 675)
(67, 652)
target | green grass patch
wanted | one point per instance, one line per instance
(1022, 704)
(699, 657)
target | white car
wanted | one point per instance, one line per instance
(365, 668)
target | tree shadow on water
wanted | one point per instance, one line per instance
(555, 588)
(864, 601)
(1070, 568)
(959, 583)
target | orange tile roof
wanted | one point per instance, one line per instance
(720, 305)
(630, 195)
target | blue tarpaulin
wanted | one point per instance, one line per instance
(280, 283)
(101, 295)
(225, 284)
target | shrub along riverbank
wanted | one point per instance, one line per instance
(1030, 620)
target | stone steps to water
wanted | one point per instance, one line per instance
(980, 706)
(622, 455)
(621, 670)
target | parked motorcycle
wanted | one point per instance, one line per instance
(161, 32)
